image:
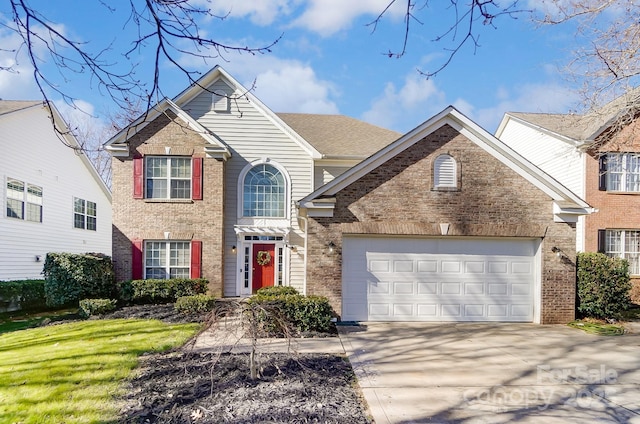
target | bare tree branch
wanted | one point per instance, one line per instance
(466, 14)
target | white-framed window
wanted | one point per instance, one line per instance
(167, 259)
(85, 214)
(445, 172)
(24, 201)
(624, 244)
(264, 192)
(168, 177)
(623, 172)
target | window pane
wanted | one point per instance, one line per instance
(78, 220)
(14, 208)
(180, 254)
(92, 223)
(614, 172)
(179, 273)
(156, 273)
(181, 189)
(156, 189)
(632, 173)
(15, 189)
(34, 212)
(613, 242)
(156, 254)
(78, 205)
(91, 209)
(156, 167)
(181, 168)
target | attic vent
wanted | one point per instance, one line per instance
(445, 172)
(220, 102)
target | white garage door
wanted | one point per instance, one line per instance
(419, 279)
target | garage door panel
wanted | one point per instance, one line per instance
(406, 279)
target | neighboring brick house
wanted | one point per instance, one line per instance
(444, 223)
(596, 155)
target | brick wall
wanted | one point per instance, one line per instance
(493, 200)
(615, 210)
(184, 220)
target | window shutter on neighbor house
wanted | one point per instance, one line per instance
(136, 259)
(602, 241)
(138, 177)
(196, 259)
(602, 173)
(196, 179)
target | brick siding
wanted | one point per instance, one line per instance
(184, 220)
(493, 201)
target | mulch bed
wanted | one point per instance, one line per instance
(187, 386)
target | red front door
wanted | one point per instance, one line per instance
(263, 265)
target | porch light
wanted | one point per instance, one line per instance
(233, 249)
(559, 253)
(331, 246)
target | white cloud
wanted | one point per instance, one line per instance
(17, 83)
(404, 108)
(262, 12)
(326, 17)
(536, 98)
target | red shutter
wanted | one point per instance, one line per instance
(136, 259)
(196, 179)
(138, 178)
(196, 259)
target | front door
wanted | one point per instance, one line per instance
(263, 265)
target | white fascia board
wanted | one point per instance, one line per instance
(219, 73)
(319, 207)
(569, 214)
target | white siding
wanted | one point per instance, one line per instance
(324, 174)
(252, 136)
(554, 156)
(32, 153)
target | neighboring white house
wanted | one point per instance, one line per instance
(53, 200)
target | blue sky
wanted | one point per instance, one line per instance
(329, 61)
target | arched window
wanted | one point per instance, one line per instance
(445, 172)
(264, 192)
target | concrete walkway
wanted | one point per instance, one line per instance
(494, 373)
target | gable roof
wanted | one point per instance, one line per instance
(583, 128)
(117, 145)
(194, 90)
(567, 205)
(339, 136)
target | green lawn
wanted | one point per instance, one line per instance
(70, 373)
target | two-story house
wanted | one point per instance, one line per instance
(53, 199)
(597, 156)
(412, 227)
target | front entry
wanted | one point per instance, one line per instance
(263, 265)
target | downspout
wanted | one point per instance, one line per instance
(304, 278)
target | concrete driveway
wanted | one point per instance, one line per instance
(494, 373)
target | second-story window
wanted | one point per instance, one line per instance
(168, 178)
(622, 172)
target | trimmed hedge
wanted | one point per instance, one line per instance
(277, 291)
(603, 285)
(161, 291)
(303, 313)
(91, 307)
(195, 304)
(70, 277)
(25, 295)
